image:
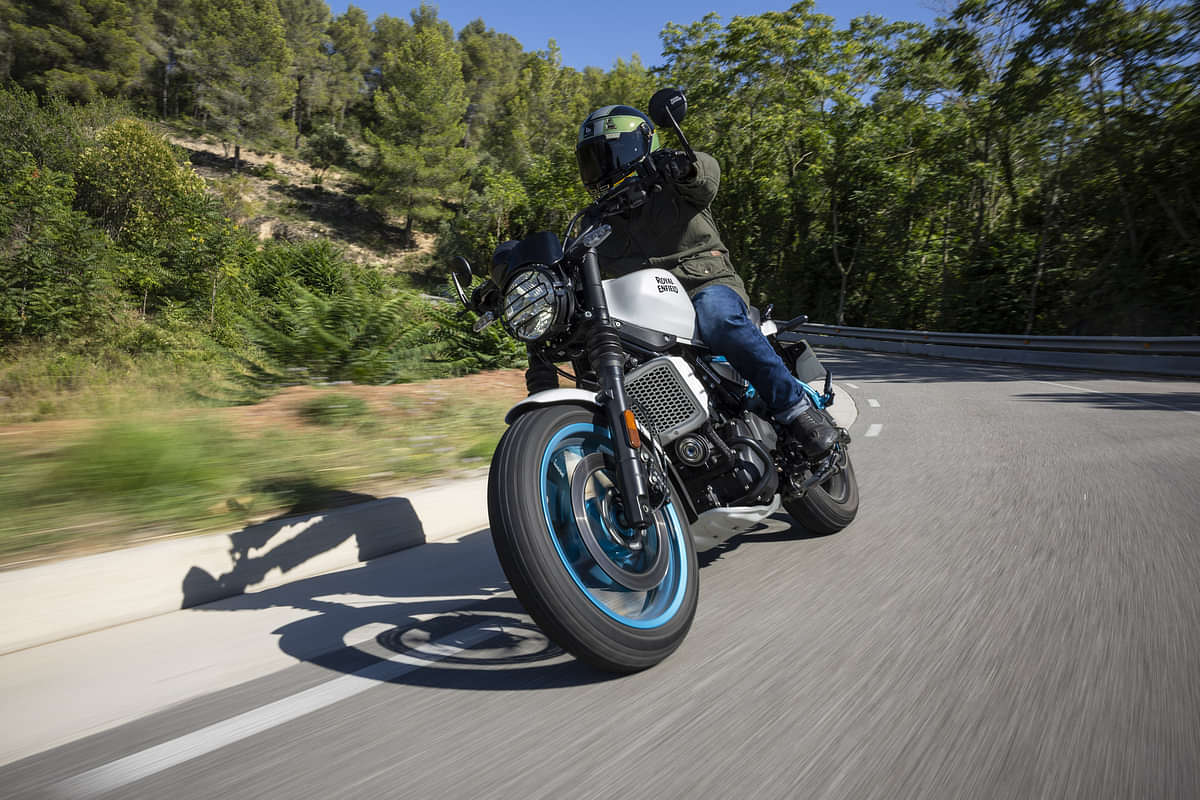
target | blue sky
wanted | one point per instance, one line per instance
(598, 32)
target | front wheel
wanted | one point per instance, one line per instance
(612, 600)
(830, 506)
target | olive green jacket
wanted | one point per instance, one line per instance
(674, 230)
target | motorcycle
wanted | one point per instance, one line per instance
(600, 496)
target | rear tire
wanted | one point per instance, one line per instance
(828, 507)
(547, 478)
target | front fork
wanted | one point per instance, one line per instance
(608, 360)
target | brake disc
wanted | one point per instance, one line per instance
(592, 468)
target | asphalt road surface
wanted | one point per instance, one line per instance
(1014, 614)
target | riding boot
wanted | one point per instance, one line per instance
(814, 433)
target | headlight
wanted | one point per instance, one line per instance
(533, 304)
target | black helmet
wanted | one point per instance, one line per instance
(611, 141)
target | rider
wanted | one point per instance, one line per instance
(674, 230)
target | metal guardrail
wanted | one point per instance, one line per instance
(1152, 355)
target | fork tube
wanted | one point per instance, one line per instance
(608, 360)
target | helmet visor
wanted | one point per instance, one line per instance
(603, 158)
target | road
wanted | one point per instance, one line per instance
(1014, 614)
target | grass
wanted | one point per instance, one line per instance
(108, 469)
(39, 383)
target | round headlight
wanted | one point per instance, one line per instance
(532, 304)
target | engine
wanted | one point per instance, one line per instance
(729, 463)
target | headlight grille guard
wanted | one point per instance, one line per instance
(533, 290)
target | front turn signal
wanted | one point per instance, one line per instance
(635, 439)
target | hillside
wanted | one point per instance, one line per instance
(278, 197)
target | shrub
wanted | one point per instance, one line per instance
(132, 179)
(325, 148)
(357, 336)
(235, 194)
(55, 131)
(315, 265)
(334, 410)
(462, 350)
(268, 172)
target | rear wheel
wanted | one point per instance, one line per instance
(611, 600)
(829, 506)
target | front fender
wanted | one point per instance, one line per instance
(552, 397)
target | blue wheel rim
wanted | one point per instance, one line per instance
(642, 610)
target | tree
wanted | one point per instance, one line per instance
(55, 266)
(79, 48)
(241, 66)
(350, 36)
(174, 35)
(305, 23)
(419, 163)
(491, 62)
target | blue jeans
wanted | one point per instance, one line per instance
(723, 325)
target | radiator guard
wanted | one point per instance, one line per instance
(667, 398)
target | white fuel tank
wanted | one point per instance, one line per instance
(653, 299)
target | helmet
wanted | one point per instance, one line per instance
(611, 141)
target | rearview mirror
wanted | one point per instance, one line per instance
(668, 107)
(461, 277)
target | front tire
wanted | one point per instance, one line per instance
(550, 503)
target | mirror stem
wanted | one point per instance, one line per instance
(679, 132)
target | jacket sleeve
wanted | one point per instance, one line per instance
(701, 189)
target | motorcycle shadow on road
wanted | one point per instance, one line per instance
(278, 546)
(406, 608)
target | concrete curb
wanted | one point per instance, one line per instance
(55, 601)
(46, 603)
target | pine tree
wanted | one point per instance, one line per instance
(305, 24)
(78, 48)
(241, 66)
(419, 162)
(350, 35)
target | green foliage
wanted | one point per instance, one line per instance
(235, 194)
(81, 49)
(353, 336)
(334, 410)
(1022, 166)
(461, 350)
(155, 461)
(56, 268)
(305, 23)
(349, 61)
(326, 147)
(241, 58)
(54, 131)
(133, 182)
(315, 265)
(418, 161)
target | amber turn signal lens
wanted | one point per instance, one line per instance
(635, 440)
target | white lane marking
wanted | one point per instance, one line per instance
(873, 403)
(851, 385)
(124, 771)
(873, 430)
(1118, 396)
